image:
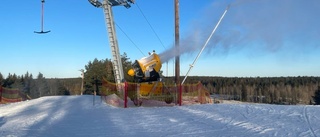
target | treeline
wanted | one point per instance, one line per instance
(40, 86)
(95, 71)
(273, 90)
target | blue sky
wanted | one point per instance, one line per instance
(263, 38)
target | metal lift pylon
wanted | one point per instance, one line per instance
(117, 63)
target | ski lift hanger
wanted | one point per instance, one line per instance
(99, 4)
(42, 32)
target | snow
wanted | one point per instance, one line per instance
(65, 116)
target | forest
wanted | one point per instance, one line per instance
(271, 90)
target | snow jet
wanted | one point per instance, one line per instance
(190, 44)
(260, 27)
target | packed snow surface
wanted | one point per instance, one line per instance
(65, 116)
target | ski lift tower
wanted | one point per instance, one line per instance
(106, 5)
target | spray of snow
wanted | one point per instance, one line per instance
(258, 26)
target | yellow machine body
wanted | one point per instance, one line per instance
(154, 88)
(146, 69)
(152, 61)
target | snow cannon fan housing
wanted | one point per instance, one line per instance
(146, 69)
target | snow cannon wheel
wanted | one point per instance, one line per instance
(168, 99)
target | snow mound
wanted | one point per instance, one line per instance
(114, 100)
(87, 116)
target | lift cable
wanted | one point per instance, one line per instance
(152, 30)
(130, 39)
(150, 25)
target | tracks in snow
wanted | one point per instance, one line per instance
(308, 121)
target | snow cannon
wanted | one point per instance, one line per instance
(147, 68)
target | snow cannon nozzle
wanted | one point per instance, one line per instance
(228, 7)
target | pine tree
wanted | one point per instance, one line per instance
(39, 87)
(62, 90)
(244, 93)
(127, 65)
(1, 79)
(316, 97)
(29, 84)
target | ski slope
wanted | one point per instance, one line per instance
(65, 116)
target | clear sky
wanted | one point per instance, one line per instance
(256, 37)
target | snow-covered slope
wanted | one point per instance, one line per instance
(59, 116)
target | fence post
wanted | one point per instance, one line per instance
(125, 94)
(180, 94)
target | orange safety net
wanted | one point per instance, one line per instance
(191, 93)
(8, 95)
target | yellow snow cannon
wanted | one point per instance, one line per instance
(146, 69)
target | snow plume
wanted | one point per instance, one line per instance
(189, 44)
(255, 25)
(273, 24)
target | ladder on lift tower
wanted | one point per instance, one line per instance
(117, 63)
(106, 5)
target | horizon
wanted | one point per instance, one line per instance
(255, 38)
(34, 76)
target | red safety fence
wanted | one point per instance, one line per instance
(191, 93)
